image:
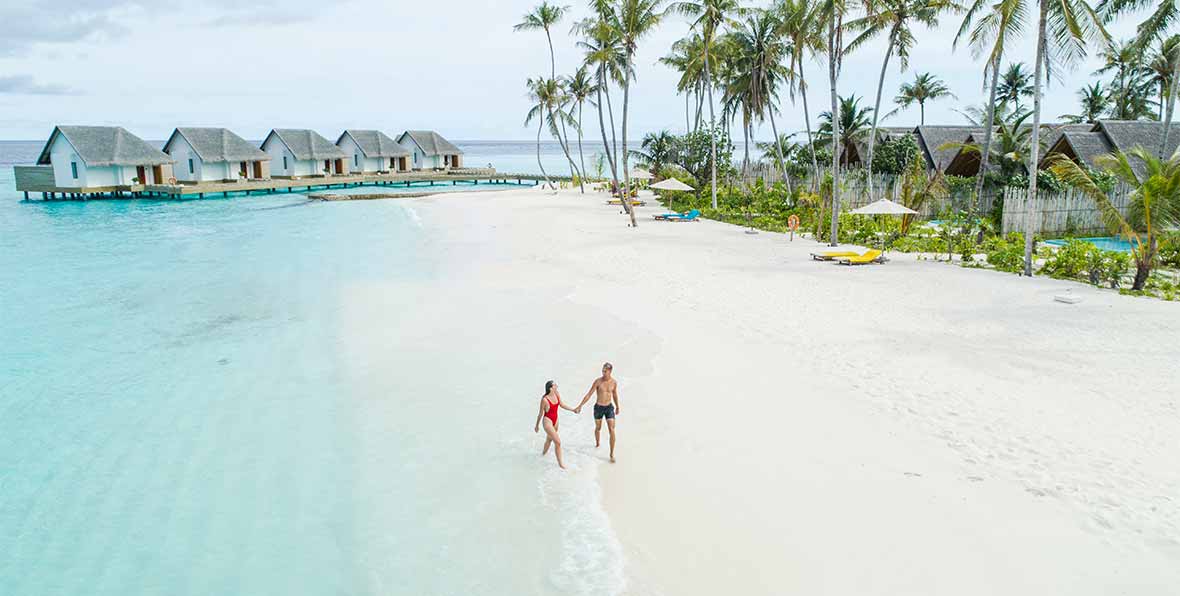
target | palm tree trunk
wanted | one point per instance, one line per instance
(833, 66)
(700, 111)
(614, 141)
(807, 125)
(563, 140)
(1035, 146)
(877, 106)
(778, 146)
(712, 131)
(552, 56)
(581, 156)
(626, 174)
(988, 125)
(1171, 109)
(610, 158)
(541, 127)
(687, 108)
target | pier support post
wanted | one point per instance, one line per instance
(26, 195)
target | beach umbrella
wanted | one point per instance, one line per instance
(884, 207)
(671, 184)
(641, 174)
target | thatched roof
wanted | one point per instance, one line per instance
(307, 144)
(931, 137)
(1082, 147)
(1125, 135)
(100, 146)
(215, 145)
(374, 143)
(431, 142)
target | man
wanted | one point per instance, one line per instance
(605, 407)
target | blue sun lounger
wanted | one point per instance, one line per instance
(690, 216)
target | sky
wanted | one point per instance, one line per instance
(456, 67)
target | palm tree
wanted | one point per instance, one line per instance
(802, 26)
(681, 60)
(1157, 26)
(1015, 83)
(1064, 28)
(1094, 100)
(1163, 68)
(1131, 85)
(603, 52)
(578, 88)
(853, 127)
(636, 19)
(759, 50)
(538, 94)
(895, 19)
(926, 87)
(1155, 199)
(659, 149)
(709, 17)
(544, 17)
(834, 11)
(987, 27)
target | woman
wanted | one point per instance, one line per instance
(547, 415)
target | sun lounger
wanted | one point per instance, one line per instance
(690, 216)
(870, 256)
(832, 255)
(634, 202)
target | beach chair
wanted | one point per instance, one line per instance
(870, 256)
(832, 255)
(690, 216)
(634, 202)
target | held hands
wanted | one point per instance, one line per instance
(578, 410)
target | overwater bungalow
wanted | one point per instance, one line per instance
(373, 152)
(430, 150)
(298, 153)
(215, 155)
(102, 159)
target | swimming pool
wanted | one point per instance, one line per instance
(1111, 243)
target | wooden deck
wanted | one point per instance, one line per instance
(39, 179)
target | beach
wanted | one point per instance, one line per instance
(790, 426)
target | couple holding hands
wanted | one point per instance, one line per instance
(605, 407)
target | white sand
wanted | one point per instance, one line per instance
(796, 427)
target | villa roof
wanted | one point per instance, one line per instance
(374, 143)
(100, 146)
(307, 144)
(214, 145)
(431, 142)
(1082, 146)
(931, 137)
(1125, 135)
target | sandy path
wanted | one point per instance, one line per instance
(916, 428)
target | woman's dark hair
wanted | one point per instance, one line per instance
(548, 386)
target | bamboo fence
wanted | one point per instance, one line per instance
(1055, 214)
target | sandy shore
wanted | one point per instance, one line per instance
(790, 426)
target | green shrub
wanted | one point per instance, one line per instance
(1170, 250)
(1070, 261)
(1005, 254)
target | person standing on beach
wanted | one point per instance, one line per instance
(605, 407)
(547, 415)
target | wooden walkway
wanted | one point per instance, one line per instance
(31, 181)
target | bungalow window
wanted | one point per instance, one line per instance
(74, 169)
(356, 160)
(284, 162)
(190, 166)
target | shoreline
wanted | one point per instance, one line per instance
(901, 428)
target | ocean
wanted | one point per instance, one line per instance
(193, 401)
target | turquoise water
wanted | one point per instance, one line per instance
(262, 395)
(1111, 243)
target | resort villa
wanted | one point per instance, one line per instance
(1086, 142)
(298, 153)
(102, 157)
(373, 152)
(430, 150)
(215, 155)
